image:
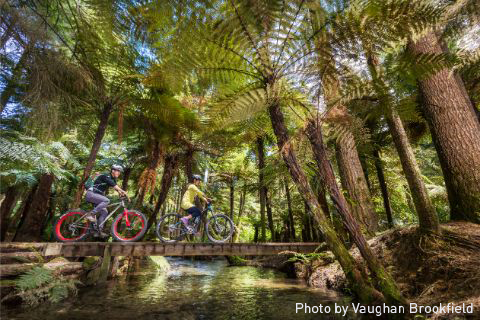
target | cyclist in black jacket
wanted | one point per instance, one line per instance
(96, 195)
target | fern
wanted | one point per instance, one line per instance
(40, 284)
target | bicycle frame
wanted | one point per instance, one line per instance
(118, 204)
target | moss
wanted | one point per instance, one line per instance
(237, 261)
(90, 262)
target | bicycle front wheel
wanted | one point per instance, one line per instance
(129, 226)
(219, 228)
(170, 228)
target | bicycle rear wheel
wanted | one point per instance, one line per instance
(129, 226)
(71, 227)
(219, 228)
(170, 228)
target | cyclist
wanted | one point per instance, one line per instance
(96, 195)
(189, 199)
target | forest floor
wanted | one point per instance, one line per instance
(428, 269)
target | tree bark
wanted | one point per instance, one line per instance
(232, 198)
(383, 187)
(189, 165)
(97, 141)
(241, 210)
(357, 282)
(271, 226)
(261, 187)
(169, 170)
(35, 212)
(149, 171)
(384, 282)
(126, 177)
(455, 131)
(8, 203)
(290, 211)
(354, 182)
(427, 216)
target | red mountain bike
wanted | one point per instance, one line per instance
(128, 226)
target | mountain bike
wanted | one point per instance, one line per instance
(128, 226)
(219, 227)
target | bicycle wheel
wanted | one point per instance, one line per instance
(129, 226)
(170, 228)
(219, 228)
(71, 226)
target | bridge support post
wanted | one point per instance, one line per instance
(105, 267)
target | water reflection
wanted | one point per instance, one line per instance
(190, 290)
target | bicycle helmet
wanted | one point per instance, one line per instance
(117, 167)
(196, 177)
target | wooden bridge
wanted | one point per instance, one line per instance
(83, 249)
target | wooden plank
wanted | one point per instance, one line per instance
(83, 249)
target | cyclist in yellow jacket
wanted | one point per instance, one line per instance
(189, 199)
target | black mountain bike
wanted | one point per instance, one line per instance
(219, 227)
(128, 225)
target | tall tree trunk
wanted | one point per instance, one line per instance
(354, 182)
(232, 198)
(455, 131)
(261, 187)
(306, 223)
(35, 213)
(97, 141)
(290, 211)
(126, 177)
(171, 164)
(271, 226)
(427, 217)
(241, 210)
(149, 173)
(383, 187)
(355, 278)
(8, 203)
(364, 164)
(384, 282)
(188, 162)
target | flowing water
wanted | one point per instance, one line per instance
(191, 290)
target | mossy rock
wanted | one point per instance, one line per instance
(90, 262)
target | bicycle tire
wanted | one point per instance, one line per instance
(208, 226)
(159, 225)
(62, 219)
(115, 227)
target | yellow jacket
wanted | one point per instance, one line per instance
(189, 196)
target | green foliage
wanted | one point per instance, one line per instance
(40, 284)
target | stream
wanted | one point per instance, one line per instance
(191, 289)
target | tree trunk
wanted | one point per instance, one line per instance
(306, 224)
(455, 131)
(271, 226)
(241, 210)
(8, 204)
(354, 182)
(383, 187)
(384, 282)
(261, 187)
(364, 164)
(290, 211)
(126, 177)
(35, 212)
(355, 278)
(169, 170)
(427, 217)
(149, 173)
(97, 141)
(232, 198)
(189, 165)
